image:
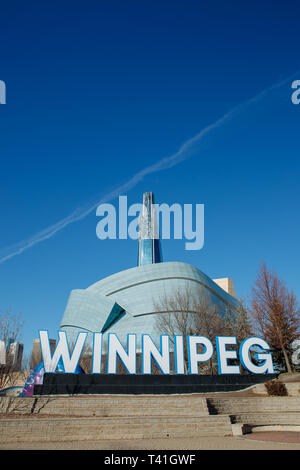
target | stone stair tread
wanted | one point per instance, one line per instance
(124, 417)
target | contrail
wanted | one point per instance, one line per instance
(163, 164)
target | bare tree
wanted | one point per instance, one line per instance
(175, 316)
(209, 323)
(10, 326)
(10, 329)
(188, 313)
(238, 323)
(276, 313)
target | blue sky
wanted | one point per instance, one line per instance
(99, 90)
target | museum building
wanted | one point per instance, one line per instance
(126, 302)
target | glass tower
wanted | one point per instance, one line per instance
(149, 243)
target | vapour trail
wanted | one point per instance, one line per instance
(163, 164)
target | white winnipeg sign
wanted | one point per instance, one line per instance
(226, 348)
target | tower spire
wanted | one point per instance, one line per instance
(149, 243)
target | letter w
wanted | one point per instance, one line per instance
(61, 351)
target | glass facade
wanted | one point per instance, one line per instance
(115, 315)
(126, 301)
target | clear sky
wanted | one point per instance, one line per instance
(99, 90)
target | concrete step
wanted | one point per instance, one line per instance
(106, 406)
(234, 405)
(41, 429)
(267, 419)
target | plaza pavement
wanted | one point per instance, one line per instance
(255, 441)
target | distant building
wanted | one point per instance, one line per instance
(36, 354)
(15, 355)
(2, 353)
(227, 284)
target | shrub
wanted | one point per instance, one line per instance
(276, 388)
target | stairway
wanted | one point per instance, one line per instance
(108, 417)
(94, 417)
(258, 412)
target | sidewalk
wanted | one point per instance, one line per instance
(248, 442)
